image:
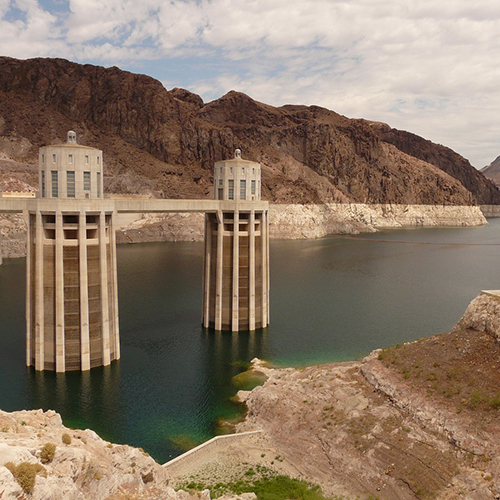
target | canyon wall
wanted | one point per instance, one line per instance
(164, 143)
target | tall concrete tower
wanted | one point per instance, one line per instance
(236, 272)
(72, 299)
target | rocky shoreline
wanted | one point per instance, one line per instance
(287, 221)
(393, 426)
(414, 421)
(403, 423)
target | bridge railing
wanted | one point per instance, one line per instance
(132, 205)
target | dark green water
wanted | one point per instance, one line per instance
(331, 299)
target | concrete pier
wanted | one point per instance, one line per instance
(236, 269)
(71, 272)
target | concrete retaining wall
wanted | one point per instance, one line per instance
(205, 451)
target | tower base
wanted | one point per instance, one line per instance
(236, 270)
(72, 302)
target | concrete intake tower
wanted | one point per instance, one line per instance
(72, 299)
(236, 277)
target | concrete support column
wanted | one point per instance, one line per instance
(103, 265)
(84, 293)
(206, 275)
(265, 266)
(251, 271)
(268, 272)
(236, 272)
(112, 245)
(29, 278)
(219, 269)
(59, 299)
(39, 309)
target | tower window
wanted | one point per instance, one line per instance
(43, 183)
(70, 183)
(43, 158)
(55, 186)
(86, 159)
(70, 158)
(230, 190)
(54, 158)
(86, 181)
(243, 190)
(98, 160)
(252, 187)
(98, 184)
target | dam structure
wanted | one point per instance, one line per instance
(72, 318)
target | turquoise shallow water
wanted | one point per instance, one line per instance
(331, 299)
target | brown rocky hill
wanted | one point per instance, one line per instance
(164, 143)
(446, 159)
(492, 171)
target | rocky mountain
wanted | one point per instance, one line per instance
(164, 143)
(492, 171)
(446, 159)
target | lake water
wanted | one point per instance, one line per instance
(331, 299)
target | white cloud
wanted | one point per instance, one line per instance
(429, 67)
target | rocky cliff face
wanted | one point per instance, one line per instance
(485, 191)
(483, 314)
(81, 465)
(164, 143)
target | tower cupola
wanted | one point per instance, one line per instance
(70, 170)
(237, 179)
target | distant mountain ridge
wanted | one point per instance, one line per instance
(492, 171)
(164, 143)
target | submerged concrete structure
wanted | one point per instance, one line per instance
(236, 268)
(72, 296)
(71, 289)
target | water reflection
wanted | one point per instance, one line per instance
(84, 399)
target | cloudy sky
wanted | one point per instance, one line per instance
(430, 67)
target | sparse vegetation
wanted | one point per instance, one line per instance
(47, 453)
(25, 474)
(264, 482)
(460, 368)
(66, 438)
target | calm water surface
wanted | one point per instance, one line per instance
(331, 299)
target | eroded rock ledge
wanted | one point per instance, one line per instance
(414, 422)
(287, 221)
(315, 221)
(483, 313)
(296, 221)
(83, 465)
